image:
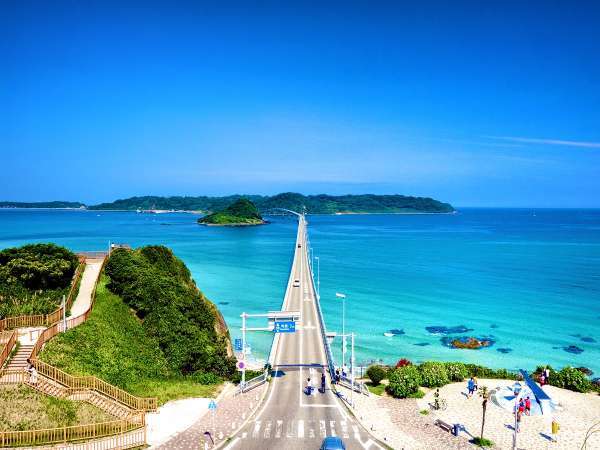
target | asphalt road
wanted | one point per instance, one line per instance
(288, 418)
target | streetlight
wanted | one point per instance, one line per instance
(343, 297)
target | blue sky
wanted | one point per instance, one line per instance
(475, 103)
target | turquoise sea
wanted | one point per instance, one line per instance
(527, 279)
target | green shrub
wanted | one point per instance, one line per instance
(33, 278)
(570, 378)
(237, 377)
(404, 381)
(417, 394)
(456, 371)
(433, 374)
(474, 370)
(376, 373)
(482, 442)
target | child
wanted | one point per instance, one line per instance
(519, 415)
(528, 406)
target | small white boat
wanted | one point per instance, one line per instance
(388, 334)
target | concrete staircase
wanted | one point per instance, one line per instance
(19, 360)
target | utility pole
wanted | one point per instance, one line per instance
(64, 308)
(352, 373)
(343, 297)
(318, 277)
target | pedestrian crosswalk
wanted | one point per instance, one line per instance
(300, 429)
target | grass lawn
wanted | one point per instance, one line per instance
(23, 408)
(377, 390)
(114, 346)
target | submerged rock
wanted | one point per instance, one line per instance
(588, 339)
(396, 332)
(223, 303)
(437, 329)
(422, 344)
(504, 350)
(573, 349)
(493, 325)
(467, 342)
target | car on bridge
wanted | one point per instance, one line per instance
(332, 443)
(296, 283)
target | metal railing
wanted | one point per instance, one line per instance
(253, 383)
(328, 353)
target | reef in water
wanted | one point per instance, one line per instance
(573, 349)
(588, 339)
(437, 329)
(493, 325)
(504, 350)
(396, 331)
(467, 342)
(422, 344)
(223, 303)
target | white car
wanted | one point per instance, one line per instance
(296, 283)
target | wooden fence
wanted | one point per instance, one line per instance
(95, 384)
(44, 320)
(7, 346)
(75, 433)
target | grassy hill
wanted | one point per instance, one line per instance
(151, 332)
(54, 204)
(241, 212)
(33, 278)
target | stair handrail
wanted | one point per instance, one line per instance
(96, 384)
(8, 347)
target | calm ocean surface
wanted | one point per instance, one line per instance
(528, 279)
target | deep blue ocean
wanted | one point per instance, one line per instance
(527, 279)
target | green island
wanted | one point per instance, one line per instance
(241, 213)
(34, 278)
(312, 204)
(48, 205)
(151, 332)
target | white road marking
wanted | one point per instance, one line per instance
(244, 435)
(344, 425)
(256, 429)
(278, 429)
(332, 427)
(267, 433)
(311, 430)
(322, 428)
(290, 430)
(300, 429)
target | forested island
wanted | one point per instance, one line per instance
(314, 204)
(49, 205)
(241, 213)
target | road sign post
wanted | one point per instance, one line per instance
(287, 326)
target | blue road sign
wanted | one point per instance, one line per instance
(212, 405)
(237, 344)
(285, 327)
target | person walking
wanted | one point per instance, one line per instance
(337, 375)
(546, 375)
(542, 379)
(528, 406)
(32, 372)
(519, 415)
(470, 387)
(323, 380)
(555, 429)
(475, 383)
(309, 386)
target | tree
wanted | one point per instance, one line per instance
(485, 395)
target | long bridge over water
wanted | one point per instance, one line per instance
(287, 414)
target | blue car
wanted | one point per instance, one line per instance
(333, 443)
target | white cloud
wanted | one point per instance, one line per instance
(562, 142)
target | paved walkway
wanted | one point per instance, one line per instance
(399, 424)
(577, 413)
(232, 411)
(86, 287)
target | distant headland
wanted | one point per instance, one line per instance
(311, 204)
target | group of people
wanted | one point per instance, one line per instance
(523, 407)
(471, 386)
(309, 385)
(544, 376)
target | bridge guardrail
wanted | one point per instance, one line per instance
(328, 354)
